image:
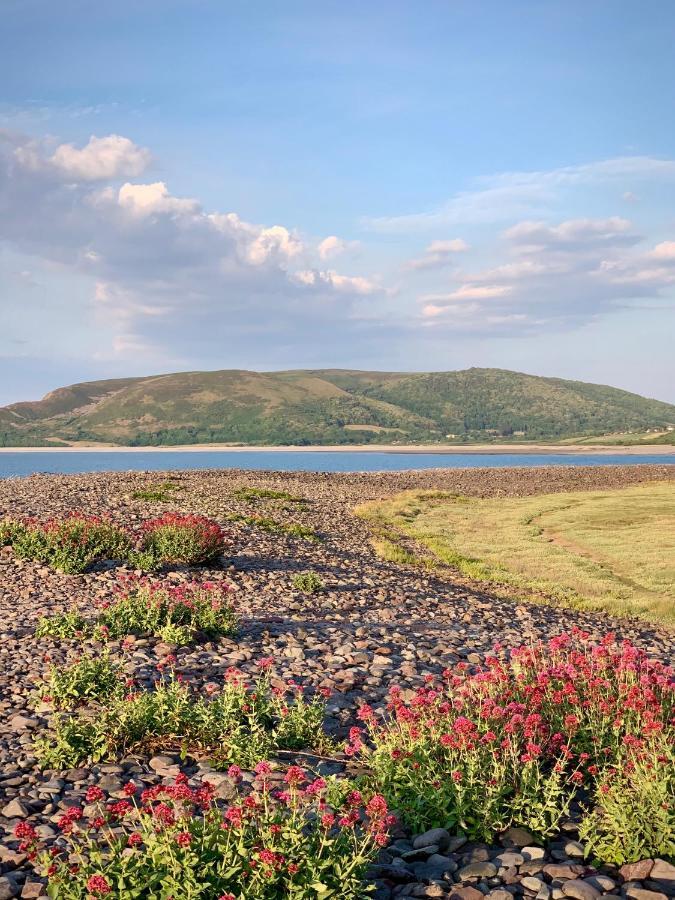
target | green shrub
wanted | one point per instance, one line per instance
(314, 843)
(308, 582)
(176, 614)
(10, 530)
(514, 742)
(242, 724)
(635, 814)
(178, 540)
(70, 544)
(90, 678)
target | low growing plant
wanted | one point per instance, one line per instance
(242, 724)
(70, 544)
(254, 493)
(265, 523)
(312, 840)
(176, 614)
(177, 539)
(634, 815)
(308, 582)
(159, 493)
(512, 742)
(89, 678)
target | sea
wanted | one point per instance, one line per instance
(16, 464)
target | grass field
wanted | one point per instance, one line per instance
(612, 550)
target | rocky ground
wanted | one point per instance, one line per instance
(376, 624)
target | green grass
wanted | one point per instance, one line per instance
(160, 493)
(265, 523)
(612, 550)
(254, 493)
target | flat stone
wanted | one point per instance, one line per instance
(438, 836)
(531, 883)
(637, 871)
(516, 837)
(562, 871)
(640, 893)
(508, 859)
(532, 853)
(478, 870)
(465, 892)
(15, 809)
(602, 882)
(663, 871)
(580, 890)
(8, 888)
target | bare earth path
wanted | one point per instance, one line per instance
(376, 624)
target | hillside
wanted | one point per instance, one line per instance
(331, 406)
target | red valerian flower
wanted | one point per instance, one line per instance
(98, 886)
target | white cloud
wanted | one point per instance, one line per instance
(512, 195)
(146, 199)
(101, 159)
(573, 234)
(438, 254)
(331, 246)
(470, 292)
(169, 274)
(349, 283)
(664, 251)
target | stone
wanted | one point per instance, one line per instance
(574, 849)
(563, 871)
(32, 889)
(516, 837)
(637, 871)
(8, 888)
(500, 894)
(532, 853)
(640, 893)
(15, 809)
(438, 836)
(508, 859)
(465, 892)
(531, 883)
(579, 889)
(602, 882)
(478, 870)
(664, 872)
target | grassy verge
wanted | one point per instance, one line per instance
(610, 550)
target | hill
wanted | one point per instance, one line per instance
(330, 406)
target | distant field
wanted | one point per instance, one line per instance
(610, 549)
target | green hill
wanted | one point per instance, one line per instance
(331, 406)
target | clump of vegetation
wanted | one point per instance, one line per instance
(76, 541)
(313, 840)
(291, 529)
(514, 742)
(176, 614)
(178, 540)
(241, 725)
(254, 493)
(70, 544)
(634, 816)
(89, 678)
(308, 582)
(159, 493)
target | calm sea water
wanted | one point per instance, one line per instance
(27, 463)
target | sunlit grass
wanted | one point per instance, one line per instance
(611, 550)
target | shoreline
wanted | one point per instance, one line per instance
(468, 449)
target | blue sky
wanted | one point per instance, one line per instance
(389, 185)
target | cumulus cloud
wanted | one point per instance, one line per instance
(438, 254)
(168, 273)
(563, 274)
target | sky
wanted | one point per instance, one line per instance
(212, 184)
